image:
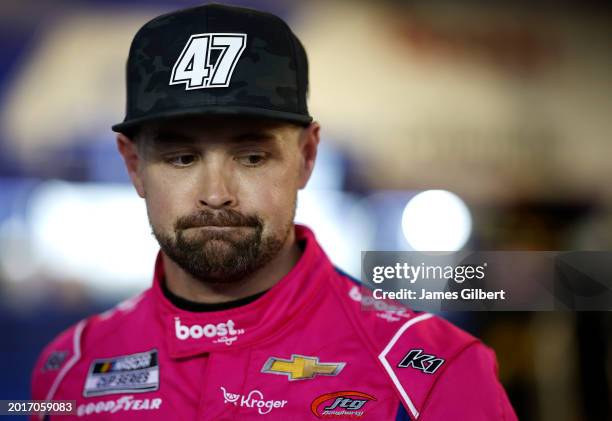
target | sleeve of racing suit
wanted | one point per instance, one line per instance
(54, 363)
(469, 389)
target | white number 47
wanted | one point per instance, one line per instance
(193, 67)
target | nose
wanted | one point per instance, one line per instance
(216, 190)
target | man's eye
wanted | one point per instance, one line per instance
(252, 160)
(182, 160)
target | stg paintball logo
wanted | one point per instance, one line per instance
(423, 362)
(346, 404)
(254, 399)
(222, 332)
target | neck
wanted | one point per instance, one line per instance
(184, 285)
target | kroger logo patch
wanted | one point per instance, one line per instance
(254, 400)
(128, 373)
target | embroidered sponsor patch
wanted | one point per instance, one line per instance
(224, 333)
(135, 373)
(426, 363)
(121, 404)
(384, 310)
(55, 361)
(301, 367)
(344, 404)
(255, 400)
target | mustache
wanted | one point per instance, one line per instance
(226, 218)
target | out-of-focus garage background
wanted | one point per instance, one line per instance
(446, 125)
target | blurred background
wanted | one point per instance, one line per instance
(446, 126)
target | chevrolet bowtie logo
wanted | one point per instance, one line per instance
(300, 367)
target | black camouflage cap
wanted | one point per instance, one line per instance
(215, 59)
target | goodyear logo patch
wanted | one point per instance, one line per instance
(127, 373)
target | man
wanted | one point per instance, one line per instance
(247, 318)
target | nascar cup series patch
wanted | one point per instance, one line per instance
(135, 373)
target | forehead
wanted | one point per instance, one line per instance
(217, 129)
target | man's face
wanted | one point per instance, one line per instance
(221, 192)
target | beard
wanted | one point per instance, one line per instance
(221, 247)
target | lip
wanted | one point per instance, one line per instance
(218, 228)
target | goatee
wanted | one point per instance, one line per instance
(220, 247)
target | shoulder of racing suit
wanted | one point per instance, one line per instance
(438, 370)
(70, 346)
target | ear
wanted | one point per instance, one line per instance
(133, 161)
(308, 144)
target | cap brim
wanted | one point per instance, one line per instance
(128, 126)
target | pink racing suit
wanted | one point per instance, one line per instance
(307, 349)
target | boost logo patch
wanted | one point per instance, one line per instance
(220, 333)
(345, 404)
(135, 373)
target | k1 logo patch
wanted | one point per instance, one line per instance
(135, 373)
(415, 358)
